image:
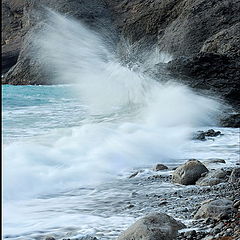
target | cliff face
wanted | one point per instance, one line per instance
(203, 37)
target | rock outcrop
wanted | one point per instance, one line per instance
(154, 226)
(201, 36)
(189, 173)
(29, 69)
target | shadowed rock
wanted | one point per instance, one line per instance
(154, 226)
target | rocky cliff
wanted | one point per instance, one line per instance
(203, 36)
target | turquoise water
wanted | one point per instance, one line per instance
(34, 110)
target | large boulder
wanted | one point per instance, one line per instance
(215, 209)
(155, 226)
(189, 172)
(212, 178)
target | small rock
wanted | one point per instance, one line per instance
(50, 238)
(190, 233)
(130, 206)
(236, 204)
(189, 172)
(160, 167)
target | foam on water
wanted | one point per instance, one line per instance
(138, 121)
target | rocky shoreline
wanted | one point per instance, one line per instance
(203, 203)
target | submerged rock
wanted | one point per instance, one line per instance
(201, 135)
(215, 209)
(189, 172)
(154, 226)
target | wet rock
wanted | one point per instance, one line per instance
(236, 204)
(231, 120)
(50, 238)
(215, 209)
(215, 160)
(212, 178)
(154, 226)
(201, 135)
(135, 174)
(160, 167)
(189, 173)
(235, 176)
(190, 233)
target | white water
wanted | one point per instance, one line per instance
(131, 121)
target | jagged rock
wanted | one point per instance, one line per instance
(189, 172)
(154, 226)
(235, 176)
(224, 42)
(212, 178)
(30, 68)
(232, 120)
(160, 167)
(215, 209)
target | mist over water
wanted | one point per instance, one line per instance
(133, 120)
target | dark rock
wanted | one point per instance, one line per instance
(190, 233)
(210, 72)
(133, 175)
(30, 67)
(232, 120)
(160, 167)
(50, 238)
(14, 27)
(236, 204)
(153, 226)
(189, 172)
(201, 135)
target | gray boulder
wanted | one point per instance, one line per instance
(212, 178)
(155, 226)
(235, 176)
(189, 172)
(215, 209)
